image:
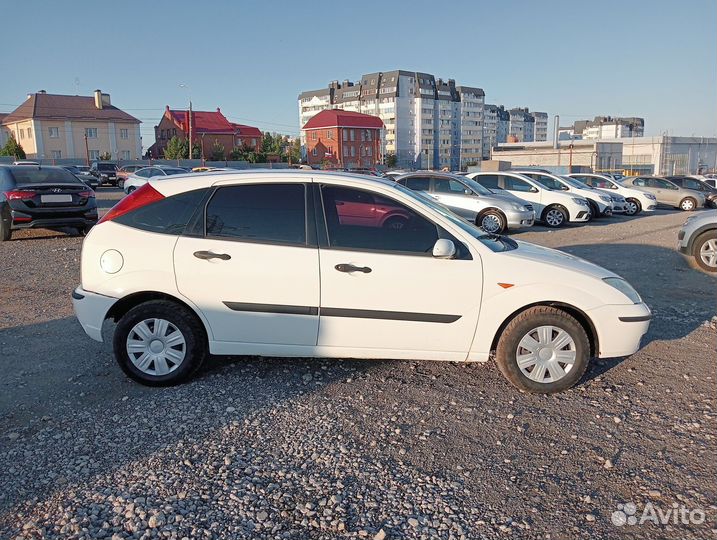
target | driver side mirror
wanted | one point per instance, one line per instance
(565, 188)
(444, 249)
(533, 190)
(467, 191)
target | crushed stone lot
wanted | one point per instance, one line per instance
(302, 448)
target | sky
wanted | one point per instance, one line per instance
(650, 58)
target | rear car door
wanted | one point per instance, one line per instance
(252, 267)
(381, 288)
(452, 193)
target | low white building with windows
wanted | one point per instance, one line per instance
(667, 155)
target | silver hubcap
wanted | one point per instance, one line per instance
(156, 347)
(491, 223)
(688, 205)
(546, 354)
(708, 253)
(554, 217)
(631, 208)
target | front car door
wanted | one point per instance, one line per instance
(251, 267)
(524, 190)
(455, 195)
(383, 294)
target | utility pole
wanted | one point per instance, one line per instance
(190, 129)
(87, 151)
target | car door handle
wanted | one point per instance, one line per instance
(351, 268)
(206, 255)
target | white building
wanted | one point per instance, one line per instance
(603, 127)
(597, 155)
(541, 126)
(429, 122)
(495, 127)
(522, 125)
(665, 155)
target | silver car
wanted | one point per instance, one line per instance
(142, 176)
(667, 193)
(494, 213)
(698, 239)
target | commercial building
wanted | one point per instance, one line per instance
(597, 155)
(429, 122)
(54, 126)
(668, 155)
(603, 127)
(210, 129)
(344, 139)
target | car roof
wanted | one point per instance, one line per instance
(437, 174)
(190, 181)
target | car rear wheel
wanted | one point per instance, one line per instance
(395, 222)
(543, 350)
(555, 216)
(632, 207)
(704, 250)
(492, 221)
(131, 189)
(160, 343)
(688, 204)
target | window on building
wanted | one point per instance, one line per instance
(353, 135)
(54, 132)
(94, 154)
(408, 232)
(314, 135)
(57, 154)
(314, 152)
(344, 135)
(346, 151)
(253, 142)
(363, 135)
(353, 151)
(329, 134)
(162, 135)
(368, 150)
(124, 133)
(29, 133)
(240, 212)
(91, 133)
(125, 155)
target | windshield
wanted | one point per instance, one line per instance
(475, 186)
(106, 167)
(47, 175)
(492, 242)
(575, 183)
(174, 171)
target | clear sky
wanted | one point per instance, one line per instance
(651, 58)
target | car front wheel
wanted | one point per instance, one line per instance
(632, 207)
(704, 250)
(492, 221)
(160, 343)
(554, 216)
(543, 350)
(688, 204)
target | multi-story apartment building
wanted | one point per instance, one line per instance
(522, 125)
(541, 126)
(52, 126)
(429, 122)
(604, 127)
(495, 127)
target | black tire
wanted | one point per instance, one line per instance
(495, 218)
(395, 222)
(520, 326)
(688, 204)
(5, 230)
(130, 189)
(633, 207)
(82, 231)
(697, 244)
(192, 329)
(594, 210)
(550, 216)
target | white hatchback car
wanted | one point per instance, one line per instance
(555, 208)
(309, 264)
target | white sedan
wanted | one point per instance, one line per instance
(306, 264)
(636, 201)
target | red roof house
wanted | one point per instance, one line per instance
(345, 139)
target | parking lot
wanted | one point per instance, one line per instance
(302, 448)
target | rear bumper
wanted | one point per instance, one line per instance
(620, 328)
(91, 311)
(49, 220)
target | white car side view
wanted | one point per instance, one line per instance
(554, 208)
(600, 203)
(296, 264)
(636, 200)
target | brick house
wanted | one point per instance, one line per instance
(344, 139)
(208, 129)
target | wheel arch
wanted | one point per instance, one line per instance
(495, 209)
(577, 313)
(555, 205)
(123, 305)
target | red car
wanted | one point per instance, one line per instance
(366, 210)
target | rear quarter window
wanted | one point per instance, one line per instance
(167, 216)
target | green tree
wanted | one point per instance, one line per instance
(13, 148)
(294, 153)
(196, 150)
(176, 149)
(217, 152)
(391, 160)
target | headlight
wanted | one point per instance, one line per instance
(581, 202)
(605, 198)
(624, 287)
(650, 196)
(527, 209)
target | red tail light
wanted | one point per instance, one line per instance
(20, 194)
(86, 194)
(137, 199)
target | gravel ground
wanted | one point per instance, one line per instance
(278, 448)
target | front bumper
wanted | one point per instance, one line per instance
(91, 311)
(517, 220)
(620, 328)
(581, 216)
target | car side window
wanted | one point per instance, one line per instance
(448, 185)
(417, 183)
(271, 213)
(382, 224)
(516, 184)
(144, 173)
(488, 180)
(639, 182)
(692, 184)
(156, 172)
(547, 181)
